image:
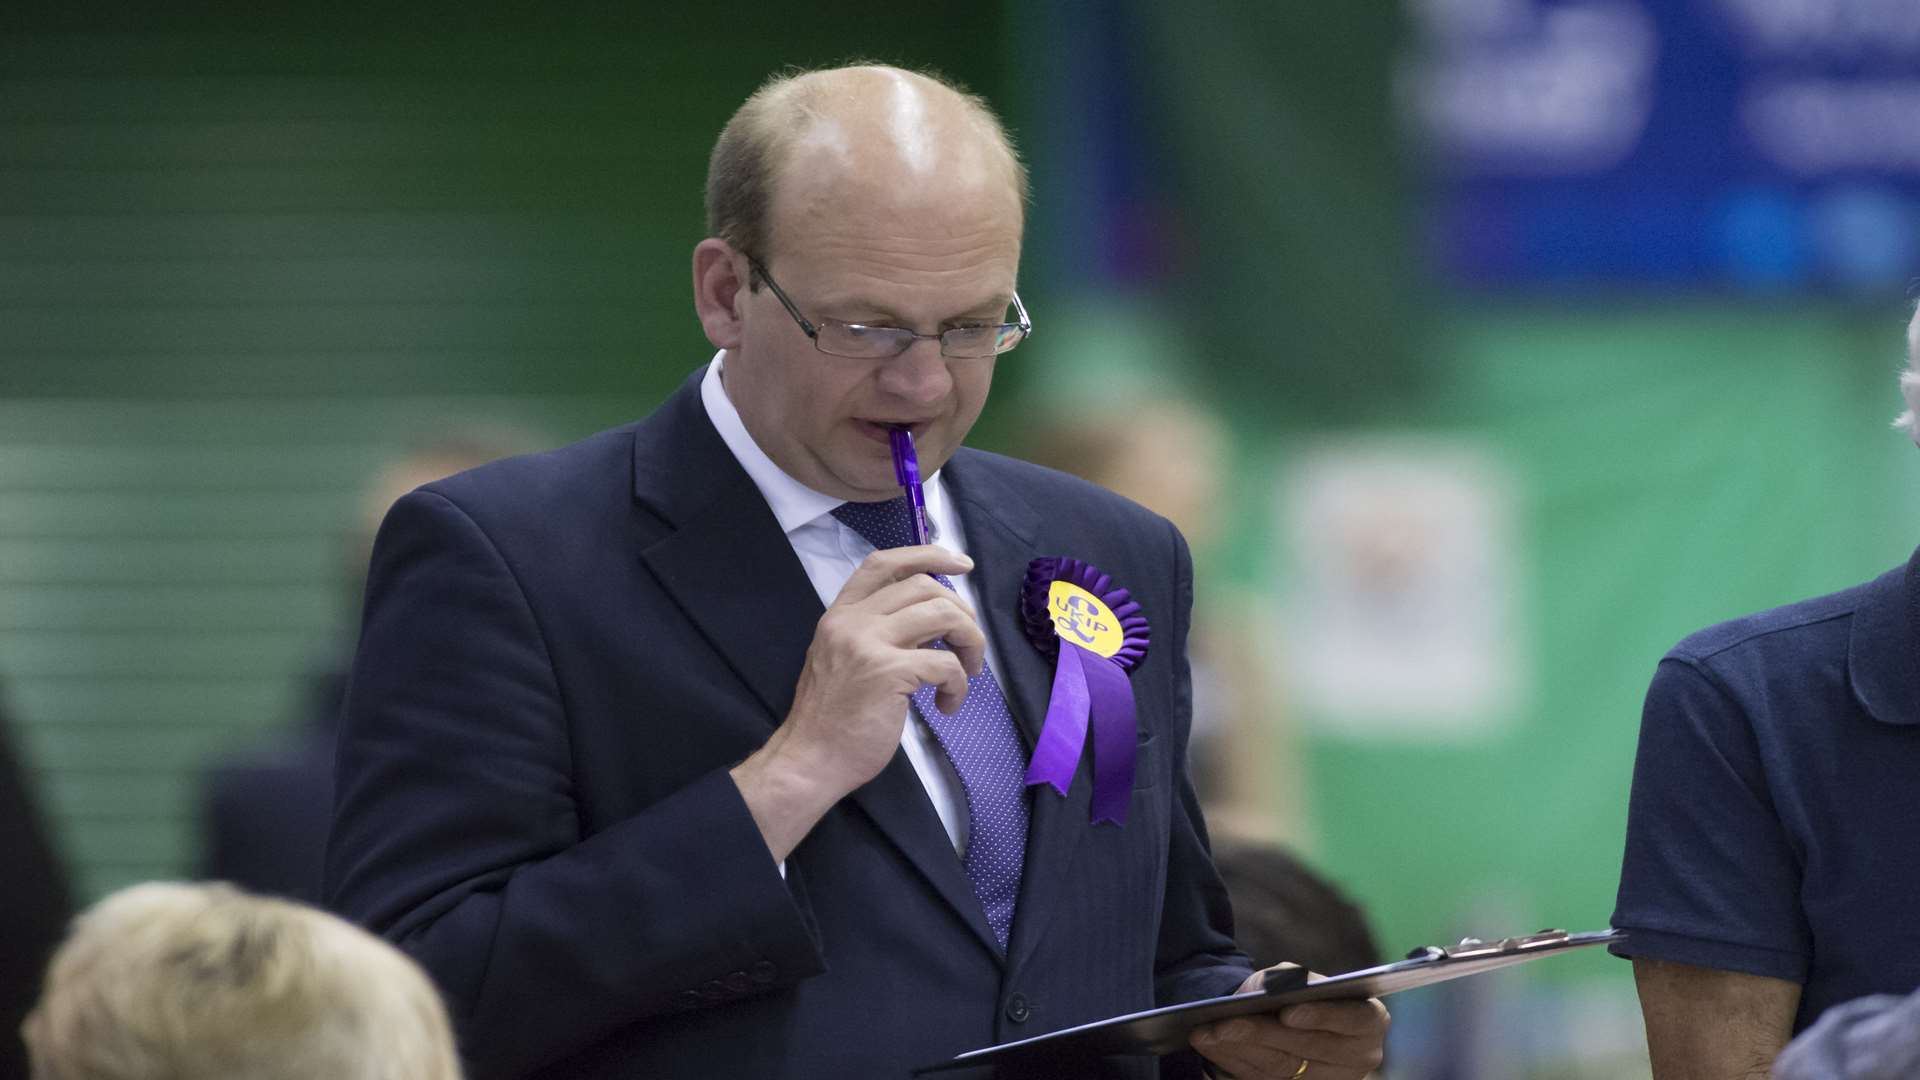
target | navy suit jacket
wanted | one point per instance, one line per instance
(561, 657)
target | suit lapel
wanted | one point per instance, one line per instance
(731, 570)
(725, 560)
(1004, 533)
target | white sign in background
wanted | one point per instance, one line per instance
(1402, 604)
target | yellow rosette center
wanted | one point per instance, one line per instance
(1080, 617)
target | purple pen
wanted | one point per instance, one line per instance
(906, 470)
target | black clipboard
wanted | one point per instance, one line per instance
(1162, 1031)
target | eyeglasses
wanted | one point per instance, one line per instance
(860, 342)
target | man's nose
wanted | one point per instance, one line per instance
(919, 375)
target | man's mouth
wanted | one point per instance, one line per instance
(881, 429)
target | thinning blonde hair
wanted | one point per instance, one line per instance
(750, 150)
(172, 981)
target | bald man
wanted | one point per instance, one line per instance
(645, 756)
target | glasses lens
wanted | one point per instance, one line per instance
(971, 341)
(863, 342)
(1007, 335)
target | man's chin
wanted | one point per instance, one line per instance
(866, 493)
(861, 481)
(867, 475)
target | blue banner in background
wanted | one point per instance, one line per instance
(1744, 145)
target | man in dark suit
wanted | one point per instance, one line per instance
(644, 758)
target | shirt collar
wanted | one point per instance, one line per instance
(793, 503)
(1883, 648)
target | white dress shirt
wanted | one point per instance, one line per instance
(830, 551)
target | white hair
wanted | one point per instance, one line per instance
(1909, 421)
(169, 981)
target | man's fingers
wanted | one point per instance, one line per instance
(1265, 1035)
(969, 645)
(883, 568)
(939, 618)
(1343, 1035)
(1235, 1061)
(963, 635)
(941, 670)
(1367, 1017)
(914, 610)
(1236, 1049)
(891, 598)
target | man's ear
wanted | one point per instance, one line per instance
(718, 289)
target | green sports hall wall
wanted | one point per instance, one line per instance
(244, 261)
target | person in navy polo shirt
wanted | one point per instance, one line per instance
(1771, 836)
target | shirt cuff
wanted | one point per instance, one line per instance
(1708, 953)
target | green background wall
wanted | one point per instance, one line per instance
(245, 260)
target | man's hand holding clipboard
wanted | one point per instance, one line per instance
(1335, 1040)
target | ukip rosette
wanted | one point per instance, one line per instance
(1095, 634)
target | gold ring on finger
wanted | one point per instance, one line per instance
(1302, 1070)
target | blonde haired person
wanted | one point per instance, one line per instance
(172, 981)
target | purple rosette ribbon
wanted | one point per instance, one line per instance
(1095, 633)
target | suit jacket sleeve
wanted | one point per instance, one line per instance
(1196, 957)
(457, 834)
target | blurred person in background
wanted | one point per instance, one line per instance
(170, 981)
(34, 901)
(1173, 456)
(1771, 844)
(640, 753)
(1284, 910)
(265, 811)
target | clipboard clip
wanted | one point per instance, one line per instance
(1471, 946)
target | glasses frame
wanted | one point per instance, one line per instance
(1019, 329)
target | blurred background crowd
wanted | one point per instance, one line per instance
(1482, 348)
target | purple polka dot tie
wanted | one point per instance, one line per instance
(980, 740)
